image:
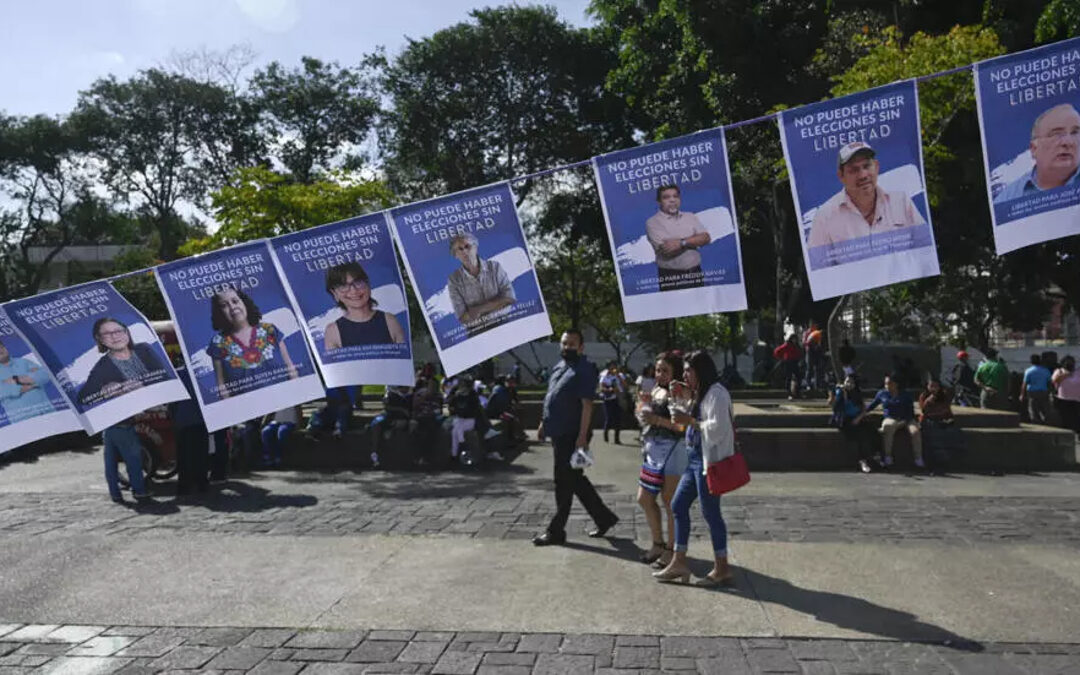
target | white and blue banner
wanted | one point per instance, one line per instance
(856, 173)
(1028, 115)
(239, 334)
(471, 270)
(31, 407)
(104, 357)
(344, 278)
(671, 221)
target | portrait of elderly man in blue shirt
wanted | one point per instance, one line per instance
(1055, 136)
(479, 287)
(21, 387)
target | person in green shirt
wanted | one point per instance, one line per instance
(993, 380)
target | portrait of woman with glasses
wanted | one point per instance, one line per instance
(362, 323)
(124, 366)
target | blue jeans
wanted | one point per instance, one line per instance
(692, 486)
(121, 442)
(274, 436)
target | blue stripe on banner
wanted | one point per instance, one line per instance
(1035, 203)
(852, 250)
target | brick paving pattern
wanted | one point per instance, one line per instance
(140, 650)
(508, 512)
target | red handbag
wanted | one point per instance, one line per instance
(730, 473)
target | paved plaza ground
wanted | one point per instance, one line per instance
(413, 572)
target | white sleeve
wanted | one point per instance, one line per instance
(717, 432)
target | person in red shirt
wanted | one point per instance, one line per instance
(789, 355)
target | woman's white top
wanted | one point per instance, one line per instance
(717, 425)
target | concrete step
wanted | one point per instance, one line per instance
(353, 449)
(810, 416)
(1026, 448)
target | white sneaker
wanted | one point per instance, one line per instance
(495, 455)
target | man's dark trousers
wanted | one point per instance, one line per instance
(192, 459)
(570, 482)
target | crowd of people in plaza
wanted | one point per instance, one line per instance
(679, 404)
(428, 424)
(1046, 392)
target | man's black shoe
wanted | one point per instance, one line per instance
(603, 529)
(549, 539)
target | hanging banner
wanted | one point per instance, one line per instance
(344, 278)
(468, 263)
(239, 334)
(31, 407)
(857, 180)
(1028, 115)
(671, 221)
(104, 356)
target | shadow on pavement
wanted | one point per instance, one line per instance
(613, 547)
(153, 507)
(239, 497)
(497, 482)
(846, 611)
(31, 453)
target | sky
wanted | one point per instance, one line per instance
(52, 49)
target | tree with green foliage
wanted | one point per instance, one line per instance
(513, 91)
(315, 117)
(1060, 19)
(43, 175)
(576, 271)
(260, 203)
(150, 136)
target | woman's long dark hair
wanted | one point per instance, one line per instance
(705, 369)
(221, 323)
(676, 363)
(855, 395)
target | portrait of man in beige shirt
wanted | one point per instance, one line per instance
(862, 208)
(676, 236)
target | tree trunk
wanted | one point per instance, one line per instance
(833, 334)
(778, 245)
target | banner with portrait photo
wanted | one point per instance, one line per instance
(1028, 114)
(344, 278)
(671, 221)
(856, 173)
(467, 259)
(31, 406)
(239, 334)
(104, 356)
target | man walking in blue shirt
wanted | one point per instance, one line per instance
(568, 422)
(1035, 391)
